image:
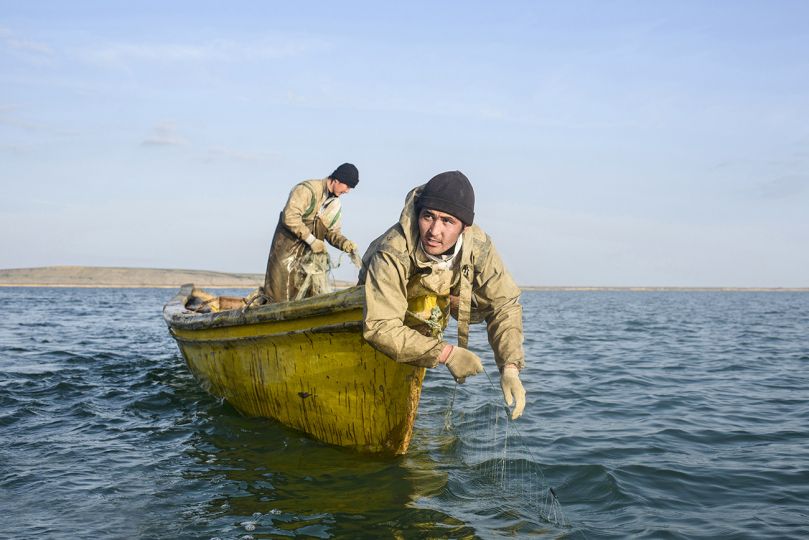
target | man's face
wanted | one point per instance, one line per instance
(338, 188)
(438, 231)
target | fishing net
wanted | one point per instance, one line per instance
(313, 271)
(496, 464)
(310, 274)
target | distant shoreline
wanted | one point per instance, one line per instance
(113, 286)
(122, 277)
(102, 277)
(665, 289)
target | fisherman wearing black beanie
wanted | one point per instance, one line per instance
(434, 261)
(346, 173)
(449, 192)
(311, 218)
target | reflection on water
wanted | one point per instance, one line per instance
(272, 480)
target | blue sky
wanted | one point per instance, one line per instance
(609, 143)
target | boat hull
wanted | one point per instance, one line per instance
(309, 369)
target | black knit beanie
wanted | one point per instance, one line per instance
(449, 192)
(347, 174)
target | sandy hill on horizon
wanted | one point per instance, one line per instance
(104, 276)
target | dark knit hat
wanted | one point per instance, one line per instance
(347, 174)
(449, 192)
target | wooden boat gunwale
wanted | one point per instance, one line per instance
(338, 327)
(177, 316)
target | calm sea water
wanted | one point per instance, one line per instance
(652, 415)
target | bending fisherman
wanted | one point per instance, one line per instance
(435, 250)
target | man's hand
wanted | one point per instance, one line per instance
(513, 389)
(349, 247)
(318, 246)
(463, 363)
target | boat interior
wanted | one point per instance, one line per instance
(203, 302)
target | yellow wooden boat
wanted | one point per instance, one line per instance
(303, 363)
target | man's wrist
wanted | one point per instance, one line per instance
(309, 239)
(445, 352)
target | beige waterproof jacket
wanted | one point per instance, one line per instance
(398, 278)
(310, 209)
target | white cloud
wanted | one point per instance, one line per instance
(216, 51)
(232, 154)
(9, 116)
(784, 187)
(165, 134)
(6, 112)
(11, 41)
(13, 149)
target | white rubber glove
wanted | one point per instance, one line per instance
(513, 390)
(463, 363)
(318, 246)
(349, 246)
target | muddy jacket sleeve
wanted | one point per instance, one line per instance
(385, 308)
(335, 237)
(301, 202)
(498, 298)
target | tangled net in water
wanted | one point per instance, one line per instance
(496, 463)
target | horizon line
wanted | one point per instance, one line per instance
(65, 282)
